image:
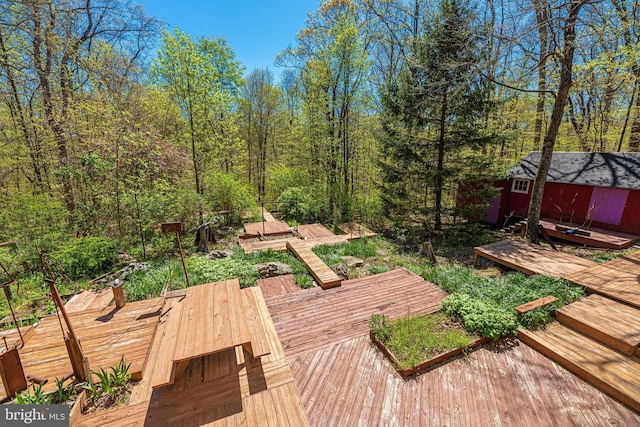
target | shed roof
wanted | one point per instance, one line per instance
(617, 170)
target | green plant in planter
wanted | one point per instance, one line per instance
(32, 396)
(380, 326)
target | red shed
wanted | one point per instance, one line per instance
(587, 189)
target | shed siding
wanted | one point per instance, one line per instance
(566, 202)
(630, 222)
(607, 205)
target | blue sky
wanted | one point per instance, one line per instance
(256, 30)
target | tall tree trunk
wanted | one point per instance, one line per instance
(566, 72)
(440, 166)
(543, 37)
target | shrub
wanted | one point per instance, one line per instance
(85, 256)
(486, 319)
(230, 194)
(302, 205)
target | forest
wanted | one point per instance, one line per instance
(112, 122)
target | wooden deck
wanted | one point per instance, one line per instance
(355, 230)
(267, 216)
(89, 300)
(314, 318)
(225, 388)
(618, 279)
(610, 322)
(105, 335)
(597, 238)
(278, 285)
(324, 275)
(314, 231)
(616, 374)
(532, 259)
(267, 227)
(351, 383)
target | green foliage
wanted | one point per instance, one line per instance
(85, 256)
(360, 248)
(32, 396)
(377, 269)
(488, 320)
(380, 325)
(415, 339)
(484, 300)
(302, 205)
(282, 177)
(228, 193)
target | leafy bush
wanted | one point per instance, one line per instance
(486, 319)
(85, 256)
(228, 193)
(360, 248)
(302, 205)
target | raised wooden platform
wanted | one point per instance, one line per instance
(278, 285)
(314, 318)
(324, 275)
(105, 335)
(618, 279)
(355, 230)
(267, 227)
(612, 323)
(89, 300)
(614, 373)
(225, 388)
(314, 231)
(597, 237)
(532, 259)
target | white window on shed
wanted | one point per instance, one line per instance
(520, 186)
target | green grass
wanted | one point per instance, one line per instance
(359, 248)
(414, 340)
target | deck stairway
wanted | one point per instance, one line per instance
(597, 339)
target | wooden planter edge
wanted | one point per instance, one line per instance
(76, 410)
(428, 363)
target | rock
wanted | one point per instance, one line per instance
(351, 261)
(272, 269)
(124, 258)
(219, 254)
(341, 270)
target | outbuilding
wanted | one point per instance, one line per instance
(587, 189)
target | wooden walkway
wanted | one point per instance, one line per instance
(532, 259)
(226, 388)
(618, 279)
(105, 335)
(278, 285)
(324, 275)
(89, 300)
(314, 231)
(267, 228)
(355, 230)
(313, 318)
(597, 238)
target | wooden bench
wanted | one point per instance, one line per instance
(212, 319)
(540, 302)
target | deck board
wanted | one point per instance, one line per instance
(324, 275)
(356, 230)
(313, 231)
(533, 259)
(313, 318)
(89, 300)
(105, 335)
(610, 322)
(610, 371)
(618, 279)
(495, 385)
(278, 285)
(267, 227)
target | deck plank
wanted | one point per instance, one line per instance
(533, 259)
(598, 237)
(278, 285)
(618, 279)
(610, 371)
(324, 275)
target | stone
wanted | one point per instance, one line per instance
(341, 270)
(272, 269)
(351, 261)
(215, 254)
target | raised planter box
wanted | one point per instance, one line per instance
(428, 363)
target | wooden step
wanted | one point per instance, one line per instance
(610, 322)
(540, 302)
(612, 372)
